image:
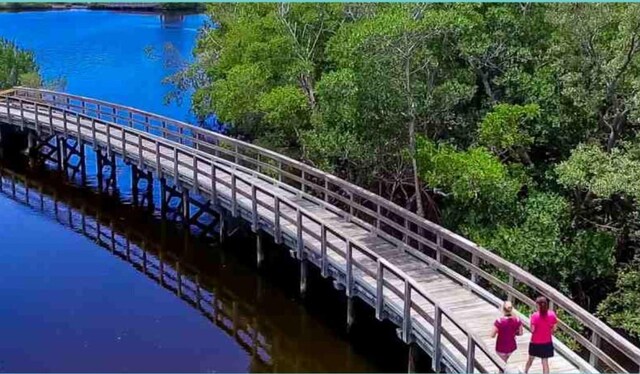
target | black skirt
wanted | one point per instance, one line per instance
(541, 350)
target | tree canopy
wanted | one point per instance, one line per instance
(514, 124)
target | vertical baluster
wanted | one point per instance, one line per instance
(475, 262)
(21, 113)
(437, 340)
(214, 187)
(349, 287)
(406, 320)
(64, 123)
(439, 243)
(234, 199)
(299, 243)
(50, 113)
(379, 290)
(124, 141)
(323, 250)
(140, 159)
(175, 165)
(471, 354)
(158, 165)
(196, 186)
(593, 358)
(509, 294)
(93, 133)
(276, 225)
(254, 208)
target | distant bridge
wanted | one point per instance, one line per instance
(441, 290)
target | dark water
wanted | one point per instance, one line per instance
(73, 300)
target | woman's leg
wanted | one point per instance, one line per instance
(528, 365)
(545, 366)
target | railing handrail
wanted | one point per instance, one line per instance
(519, 274)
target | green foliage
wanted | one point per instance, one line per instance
(621, 307)
(592, 169)
(471, 176)
(519, 120)
(503, 128)
(16, 65)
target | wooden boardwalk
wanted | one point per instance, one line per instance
(441, 290)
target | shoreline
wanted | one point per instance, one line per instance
(185, 8)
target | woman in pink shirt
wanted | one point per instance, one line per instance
(543, 325)
(506, 328)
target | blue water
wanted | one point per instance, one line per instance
(66, 304)
(102, 54)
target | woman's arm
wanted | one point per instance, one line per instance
(520, 330)
(494, 332)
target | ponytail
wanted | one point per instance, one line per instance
(543, 305)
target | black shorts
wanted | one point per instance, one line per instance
(541, 350)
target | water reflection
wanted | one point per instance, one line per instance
(275, 332)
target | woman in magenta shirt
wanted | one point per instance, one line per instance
(543, 325)
(506, 328)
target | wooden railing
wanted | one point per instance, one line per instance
(170, 159)
(492, 277)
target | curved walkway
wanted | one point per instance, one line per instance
(442, 290)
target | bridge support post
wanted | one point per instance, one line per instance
(105, 160)
(144, 197)
(350, 313)
(303, 275)
(259, 251)
(412, 358)
(222, 229)
(186, 209)
(31, 143)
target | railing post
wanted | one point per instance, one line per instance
(509, 294)
(439, 243)
(349, 279)
(379, 290)
(254, 208)
(406, 319)
(64, 123)
(93, 133)
(326, 189)
(277, 234)
(437, 340)
(299, 244)
(303, 183)
(234, 197)
(196, 186)
(140, 159)
(158, 164)
(50, 112)
(37, 120)
(474, 273)
(124, 141)
(108, 133)
(176, 176)
(471, 354)
(214, 188)
(595, 340)
(21, 113)
(323, 250)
